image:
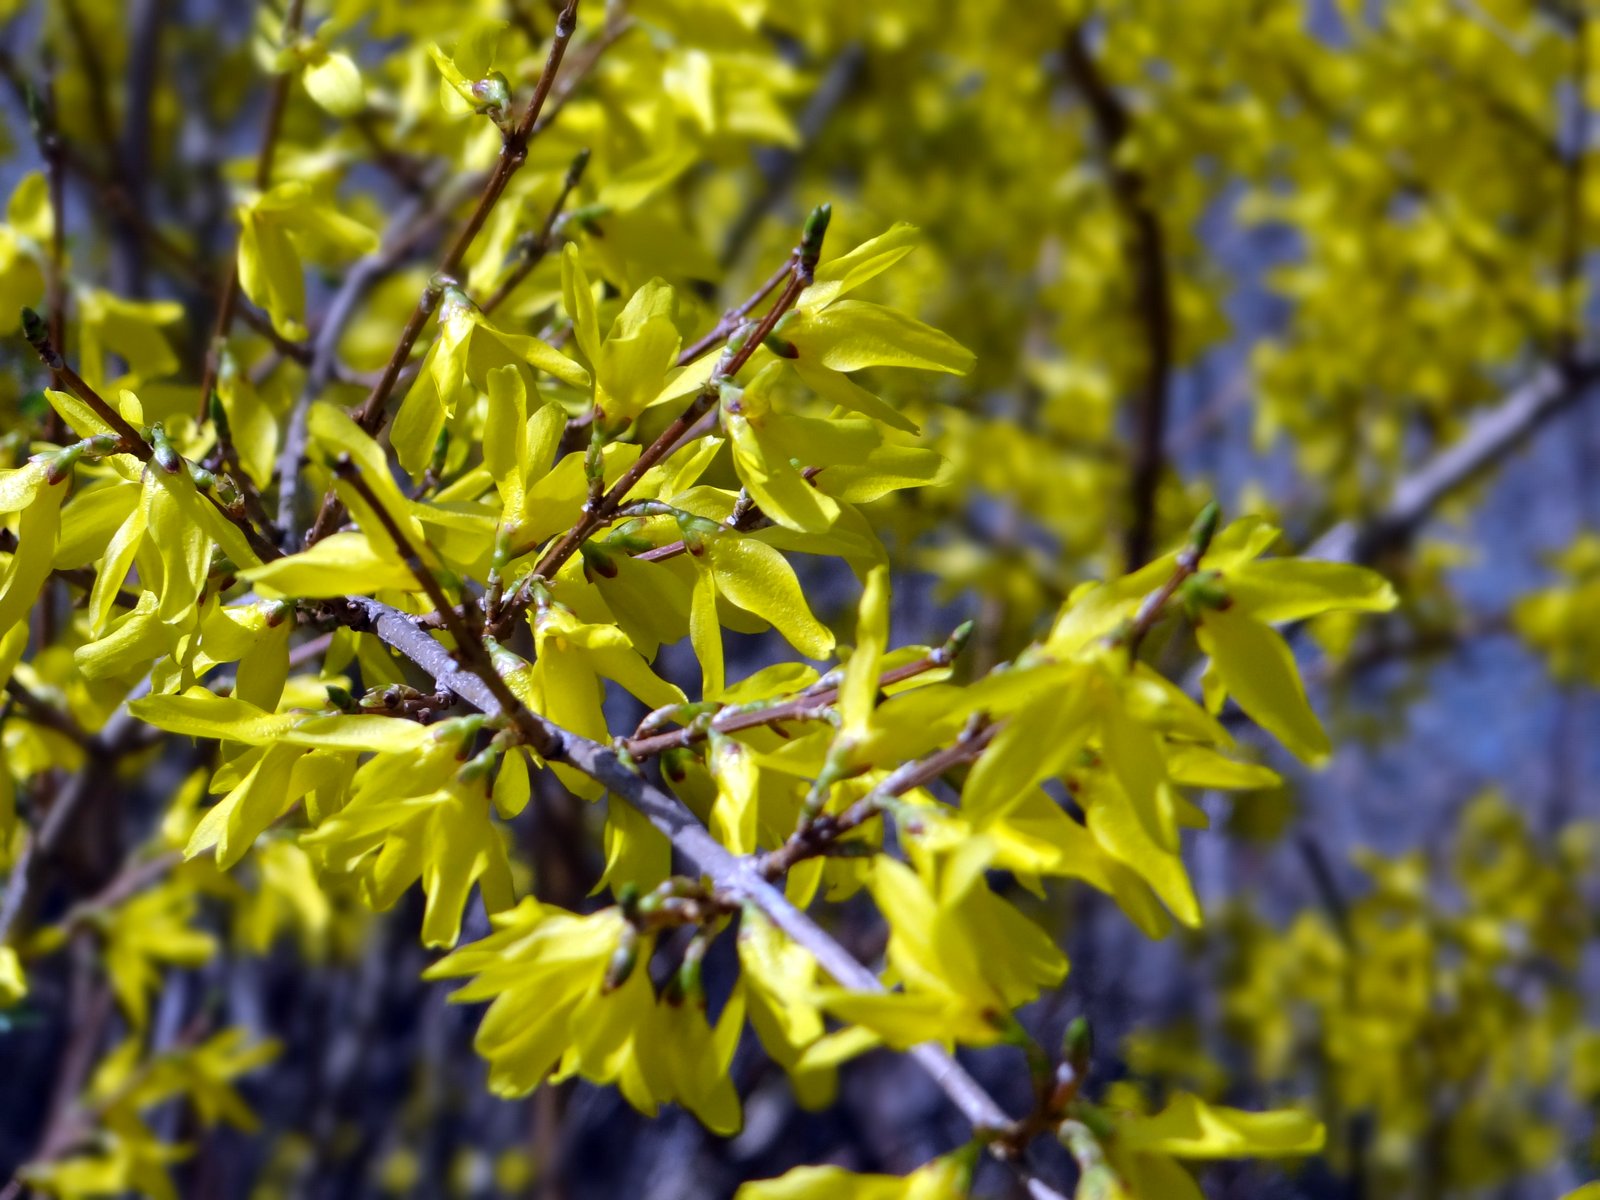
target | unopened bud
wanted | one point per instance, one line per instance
(1204, 528)
(816, 229)
(623, 959)
(492, 93)
(580, 163)
(1077, 1045)
(166, 456)
(1203, 592)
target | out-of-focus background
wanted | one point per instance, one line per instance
(1281, 253)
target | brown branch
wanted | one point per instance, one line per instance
(132, 441)
(38, 337)
(799, 269)
(513, 153)
(734, 317)
(1154, 606)
(277, 101)
(40, 712)
(1152, 290)
(819, 835)
(228, 452)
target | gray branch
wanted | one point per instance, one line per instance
(1490, 438)
(729, 872)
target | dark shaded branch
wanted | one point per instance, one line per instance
(1152, 291)
(147, 20)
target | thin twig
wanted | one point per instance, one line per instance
(132, 441)
(470, 646)
(41, 712)
(539, 246)
(38, 336)
(805, 706)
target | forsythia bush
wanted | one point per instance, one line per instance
(398, 559)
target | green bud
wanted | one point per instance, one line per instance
(1204, 528)
(461, 730)
(340, 698)
(586, 214)
(1203, 591)
(628, 899)
(815, 230)
(957, 641)
(625, 541)
(1077, 1045)
(452, 300)
(696, 530)
(33, 326)
(480, 766)
(580, 163)
(62, 461)
(623, 960)
(166, 457)
(675, 763)
(735, 343)
(781, 347)
(686, 985)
